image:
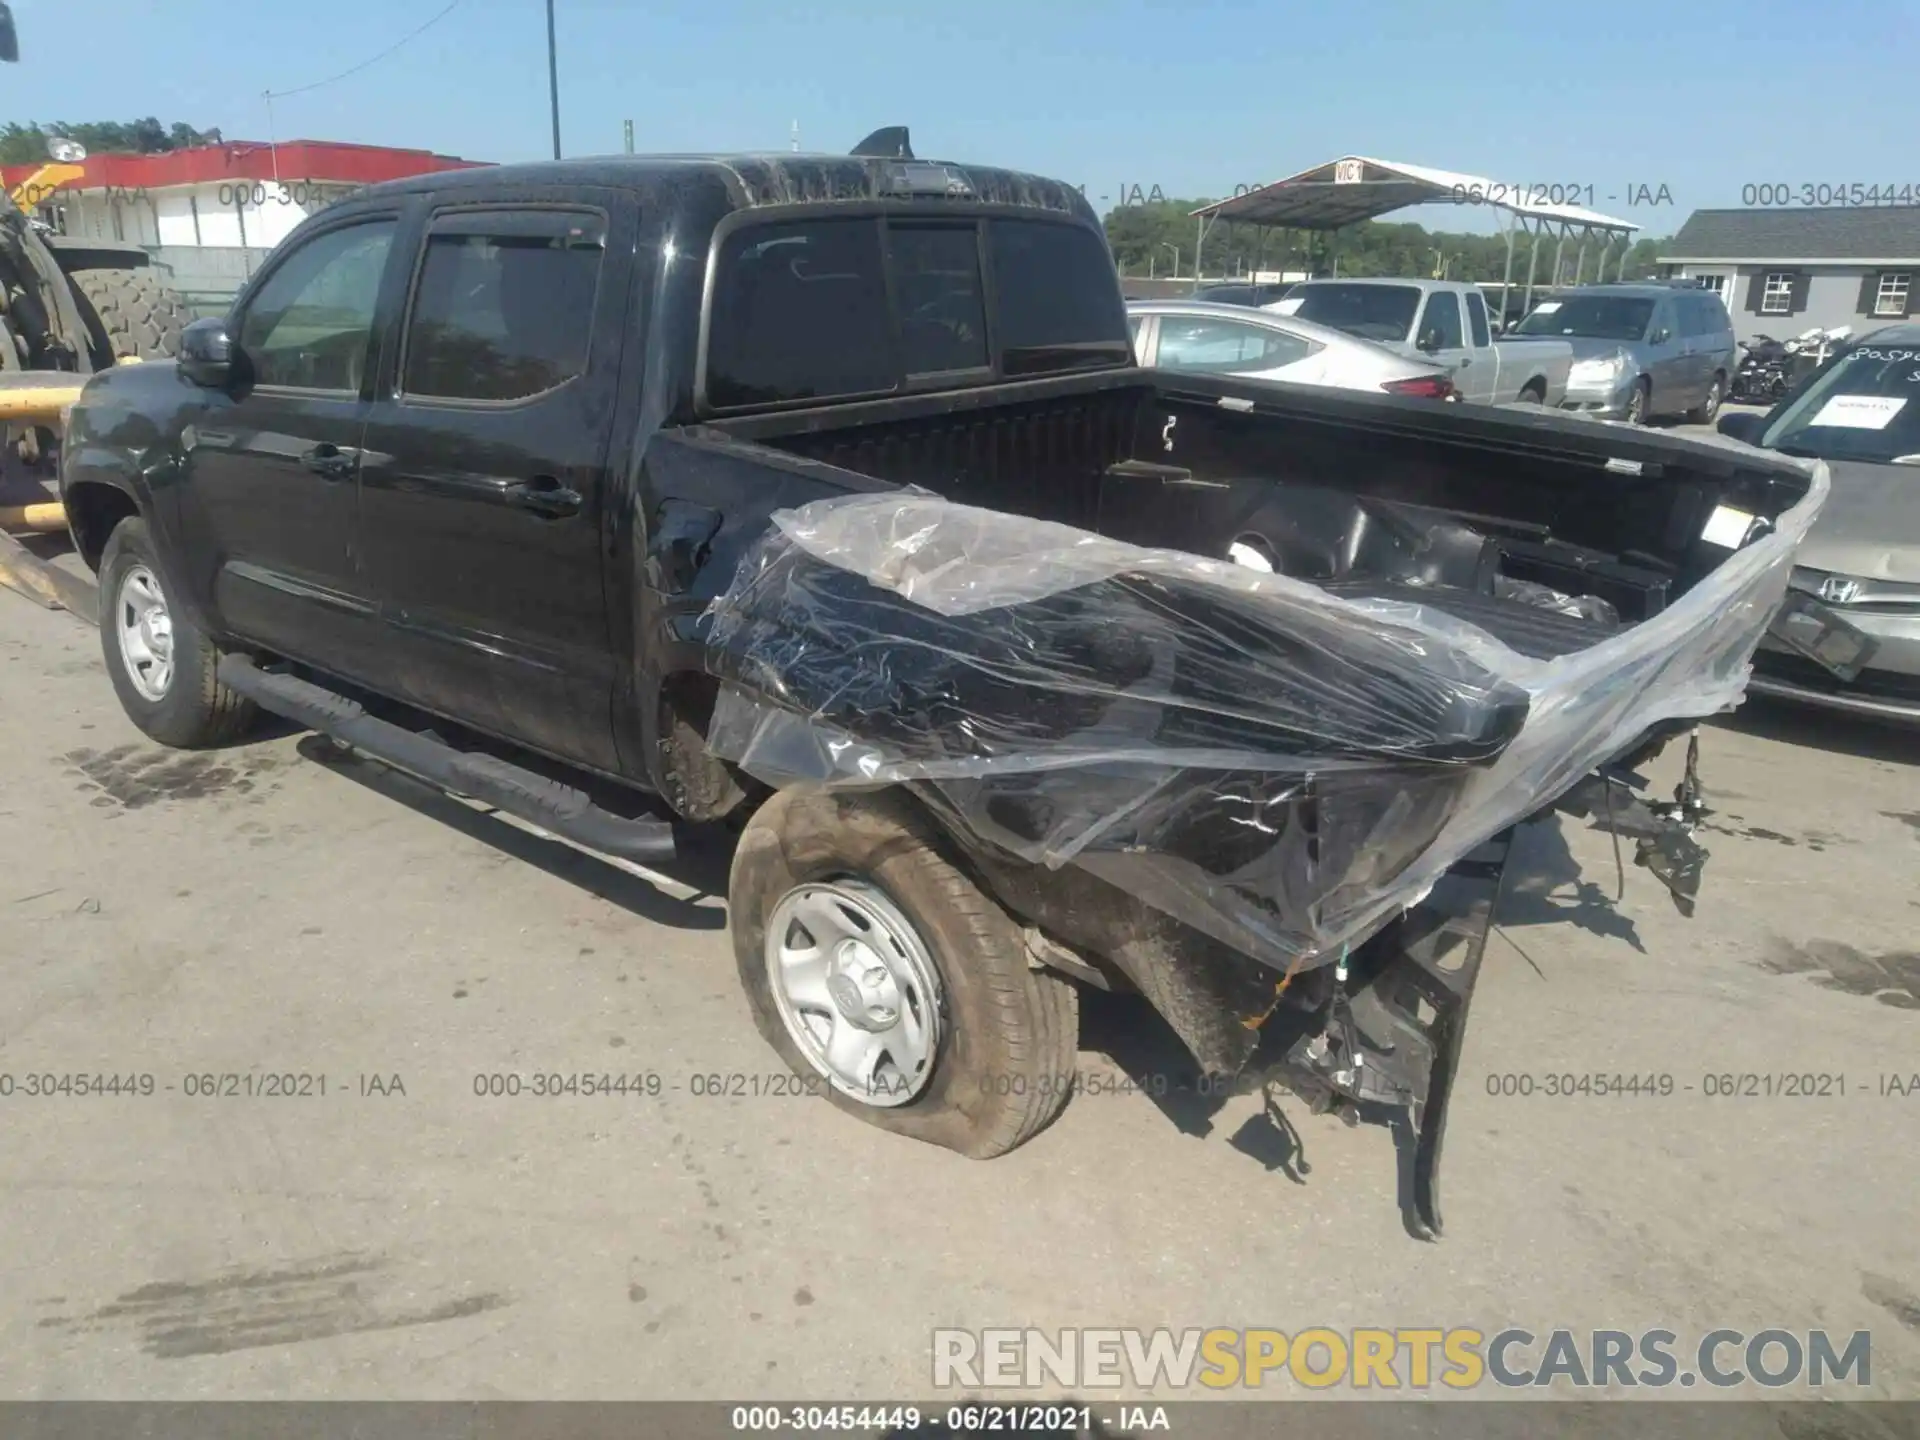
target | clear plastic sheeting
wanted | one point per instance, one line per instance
(1272, 765)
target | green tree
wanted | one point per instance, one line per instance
(27, 144)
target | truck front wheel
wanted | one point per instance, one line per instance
(884, 977)
(161, 663)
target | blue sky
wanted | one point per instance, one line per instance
(1194, 97)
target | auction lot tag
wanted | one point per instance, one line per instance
(1860, 412)
(1546, 307)
(1727, 527)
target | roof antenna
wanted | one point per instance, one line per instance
(888, 144)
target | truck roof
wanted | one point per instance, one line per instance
(777, 178)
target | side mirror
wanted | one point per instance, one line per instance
(1742, 425)
(207, 354)
(1661, 336)
(1428, 342)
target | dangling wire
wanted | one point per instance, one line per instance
(410, 35)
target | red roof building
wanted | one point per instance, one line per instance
(242, 193)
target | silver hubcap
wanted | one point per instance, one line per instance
(857, 989)
(146, 633)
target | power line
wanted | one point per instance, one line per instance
(410, 35)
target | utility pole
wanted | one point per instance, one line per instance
(553, 80)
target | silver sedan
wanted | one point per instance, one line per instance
(1264, 345)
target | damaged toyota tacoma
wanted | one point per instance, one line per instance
(821, 496)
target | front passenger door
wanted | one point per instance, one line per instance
(271, 465)
(1440, 337)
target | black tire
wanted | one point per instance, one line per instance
(1703, 413)
(1534, 392)
(1640, 403)
(1010, 1033)
(139, 315)
(195, 710)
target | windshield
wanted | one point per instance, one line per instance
(1590, 317)
(1373, 312)
(1863, 404)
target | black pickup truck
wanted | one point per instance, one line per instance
(480, 464)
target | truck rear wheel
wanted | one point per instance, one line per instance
(161, 663)
(141, 316)
(885, 978)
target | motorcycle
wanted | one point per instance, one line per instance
(1761, 378)
(1770, 367)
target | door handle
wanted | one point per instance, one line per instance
(544, 496)
(331, 462)
(1466, 361)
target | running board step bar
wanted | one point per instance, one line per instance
(545, 804)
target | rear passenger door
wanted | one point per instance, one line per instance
(485, 475)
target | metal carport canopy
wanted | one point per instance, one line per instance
(1358, 187)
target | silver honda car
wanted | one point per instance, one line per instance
(1262, 344)
(1859, 412)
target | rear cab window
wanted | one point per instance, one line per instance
(842, 306)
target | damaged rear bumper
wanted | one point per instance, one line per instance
(1282, 815)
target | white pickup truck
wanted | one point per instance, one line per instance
(1444, 321)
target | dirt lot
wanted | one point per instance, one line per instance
(266, 911)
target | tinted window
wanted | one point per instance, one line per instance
(1440, 326)
(801, 308)
(1226, 346)
(503, 308)
(1477, 318)
(1056, 302)
(1373, 312)
(311, 324)
(1864, 404)
(936, 279)
(1714, 319)
(1594, 317)
(799, 312)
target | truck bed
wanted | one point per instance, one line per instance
(1526, 597)
(1197, 463)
